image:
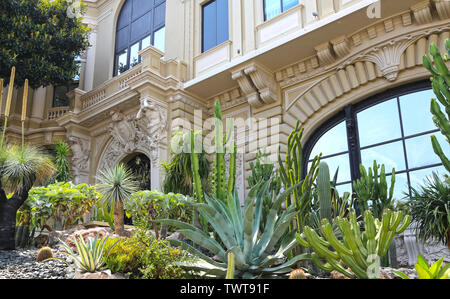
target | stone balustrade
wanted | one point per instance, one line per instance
(57, 112)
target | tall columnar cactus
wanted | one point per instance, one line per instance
(372, 189)
(441, 84)
(231, 265)
(291, 173)
(221, 189)
(324, 191)
(361, 252)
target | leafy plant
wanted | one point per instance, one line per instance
(256, 251)
(178, 170)
(429, 207)
(361, 252)
(441, 84)
(117, 186)
(143, 256)
(372, 191)
(90, 253)
(61, 161)
(435, 271)
(66, 202)
(156, 205)
(41, 38)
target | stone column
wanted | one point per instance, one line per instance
(38, 105)
(90, 60)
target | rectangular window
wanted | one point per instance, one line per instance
(273, 8)
(214, 24)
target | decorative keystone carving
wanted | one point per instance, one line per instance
(257, 84)
(341, 46)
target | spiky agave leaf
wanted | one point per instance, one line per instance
(25, 166)
(117, 184)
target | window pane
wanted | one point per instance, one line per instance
(419, 177)
(420, 150)
(134, 54)
(400, 186)
(222, 21)
(122, 61)
(416, 114)
(209, 26)
(60, 96)
(272, 8)
(379, 123)
(146, 42)
(332, 142)
(160, 39)
(289, 4)
(391, 155)
(343, 163)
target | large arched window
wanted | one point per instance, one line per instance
(141, 23)
(393, 128)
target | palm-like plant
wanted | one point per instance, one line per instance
(429, 207)
(256, 250)
(20, 168)
(117, 185)
(62, 151)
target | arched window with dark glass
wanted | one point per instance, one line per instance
(393, 128)
(141, 23)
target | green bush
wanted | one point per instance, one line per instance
(144, 257)
(66, 201)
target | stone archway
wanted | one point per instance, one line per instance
(141, 167)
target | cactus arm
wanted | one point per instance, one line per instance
(195, 170)
(324, 267)
(232, 169)
(324, 191)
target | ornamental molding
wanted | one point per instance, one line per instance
(145, 132)
(80, 159)
(257, 84)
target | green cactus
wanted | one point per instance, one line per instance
(440, 84)
(372, 190)
(44, 253)
(324, 191)
(360, 252)
(221, 189)
(291, 172)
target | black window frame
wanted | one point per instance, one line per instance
(281, 6)
(132, 41)
(203, 50)
(349, 116)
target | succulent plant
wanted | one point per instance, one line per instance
(256, 251)
(361, 252)
(44, 253)
(298, 274)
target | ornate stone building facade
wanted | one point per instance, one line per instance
(154, 65)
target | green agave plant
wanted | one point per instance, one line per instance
(258, 253)
(90, 253)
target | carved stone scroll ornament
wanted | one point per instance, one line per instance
(145, 132)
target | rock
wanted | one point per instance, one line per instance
(99, 232)
(99, 275)
(387, 272)
(175, 236)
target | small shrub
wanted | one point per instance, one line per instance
(144, 257)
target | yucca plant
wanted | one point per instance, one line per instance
(435, 271)
(62, 151)
(20, 168)
(89, 254)
(117, 185)
(258, 253)
(429, 207)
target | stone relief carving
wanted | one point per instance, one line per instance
(80, 158)
(144, 132)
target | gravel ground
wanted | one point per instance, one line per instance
(21, 264)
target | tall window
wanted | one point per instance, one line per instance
(273, 8)
(141, 23)
(394, 129)
(214, 24)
